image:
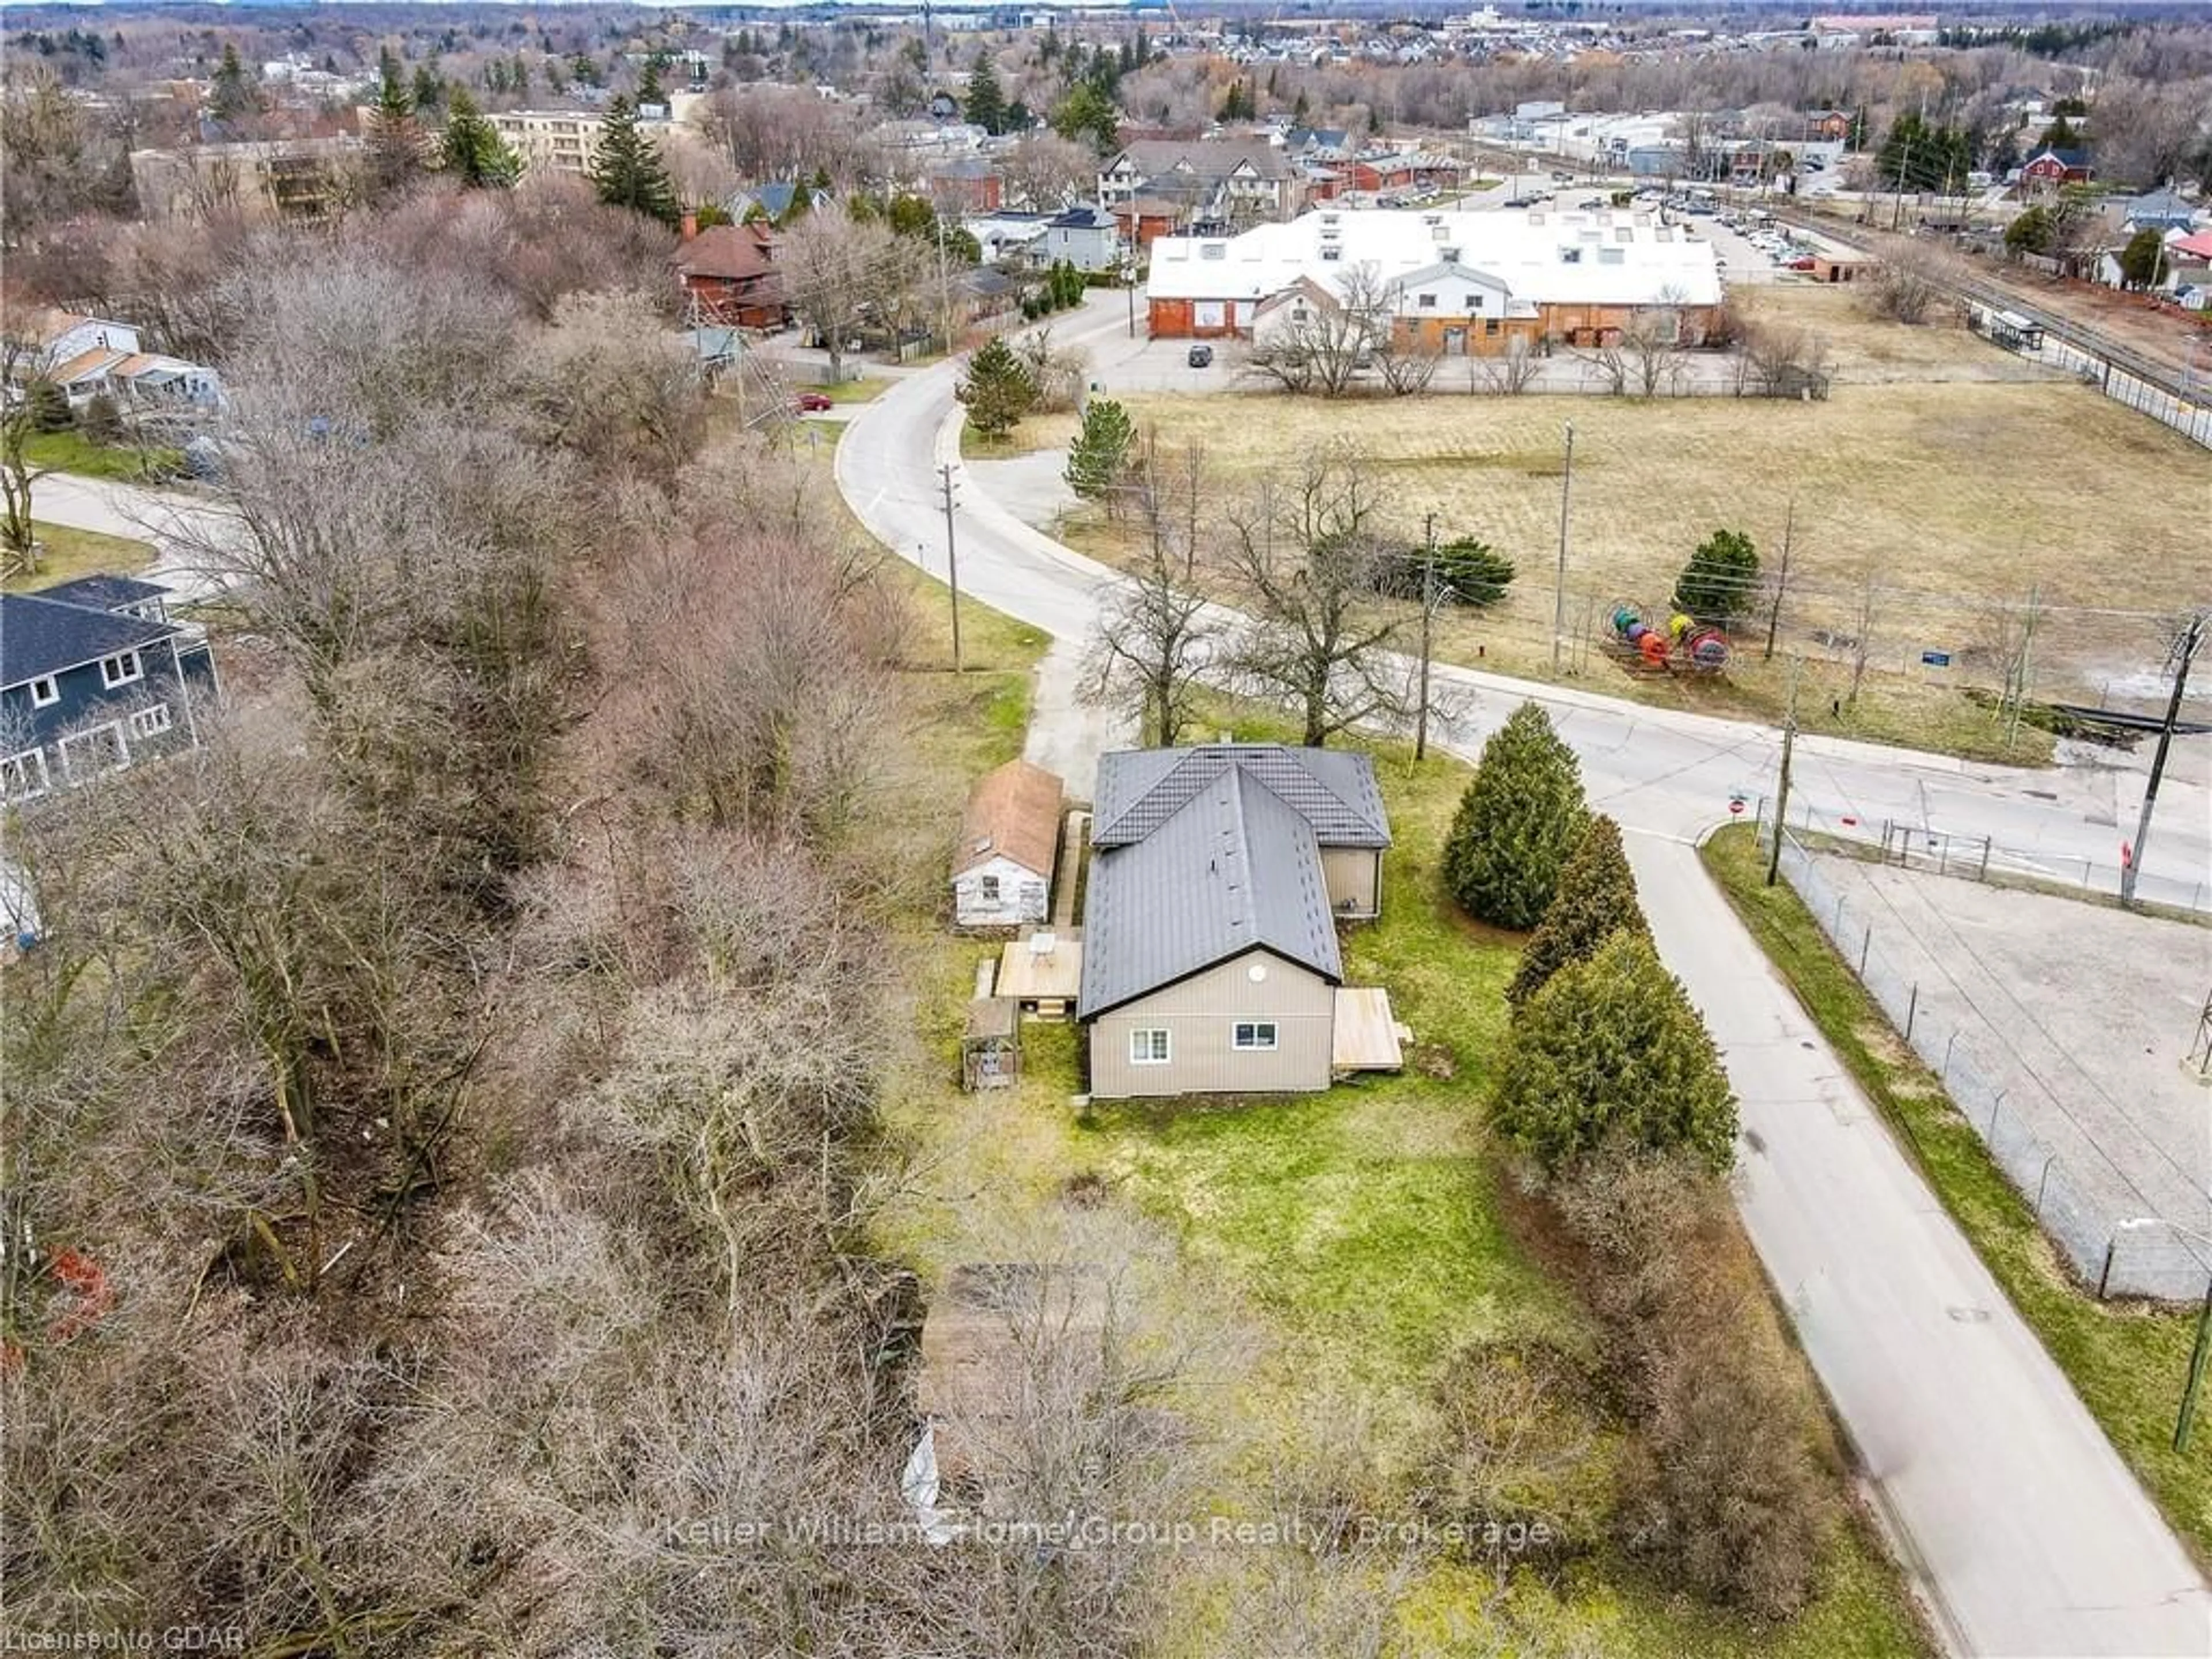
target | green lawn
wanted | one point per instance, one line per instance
(72, 452)
(1362, 1234)
(66, 553)
(2127, 1361)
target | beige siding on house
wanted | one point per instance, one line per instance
(1354, 875)
(1199, 1015)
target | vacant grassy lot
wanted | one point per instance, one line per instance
(1352, 1243)
(66, 553)
(2127, 1362)
(1922, 515)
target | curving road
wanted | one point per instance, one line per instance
(2025, 1532)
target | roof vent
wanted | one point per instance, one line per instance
(1043, 943)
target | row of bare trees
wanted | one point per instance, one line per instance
(1309, 561)
(443, 1142)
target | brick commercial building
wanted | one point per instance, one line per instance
(1463, 283)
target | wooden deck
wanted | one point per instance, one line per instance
(1366, 1037)
(1042, 981)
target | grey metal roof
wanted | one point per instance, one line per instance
(1335, 791)
(1234, 867)
(40, 636)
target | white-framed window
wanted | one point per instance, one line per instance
(23, 776)
(150, 721)
(987, 889)
(121, 669)
(45, 692)
(1253, 1036)
(1148, 1046)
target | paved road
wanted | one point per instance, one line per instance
(2032, 1538)
(163, 518)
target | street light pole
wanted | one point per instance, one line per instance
(1559, 588)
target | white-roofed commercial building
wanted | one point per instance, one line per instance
(1459, 283)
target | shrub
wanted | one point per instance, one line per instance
(1519, 819)
(1472, 573)
(50, 407)
(1611, 1052)
(1718, 583)
(1725, 1497)
(997, 391)
(102, 421)
(1596, 899)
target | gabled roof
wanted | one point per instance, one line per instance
(89, 365)
(40, 635)
(2071, 159)
(1085, 217)
(105, 592)
(1013, 812)
(1204, 158)
(1335, 791)
(1234, 868)
(729, 253)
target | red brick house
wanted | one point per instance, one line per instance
(968, 184)
(1144, 220)
(729, 270)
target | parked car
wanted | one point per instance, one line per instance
(1201, 356)
(1804, 262)
(812, 402)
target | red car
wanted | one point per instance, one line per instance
(812, 403)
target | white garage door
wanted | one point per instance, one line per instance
(1207, 313)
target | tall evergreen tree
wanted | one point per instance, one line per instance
(1100, 453)
(231, 96)
(997, 391)
(628, 169)
(649, 89)
(395, 137)
(429, 90)
(1611, 1052)
(986, 100)
(1596, 899)
(472, 150)
(1518, 823)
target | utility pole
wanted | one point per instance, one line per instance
(2183, 652)
(1559, 588)
(1781, 579)
(1428, 621)
(1132, 275)
(952, 565)
(1782, 786)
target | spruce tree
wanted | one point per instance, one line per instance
(1100, 451)
(1471, 572)
(1611, 1052)
(395, 138)
(1596, 899)
(472, 150)
(628, 169)
(986, 100)
(231, 96)
(1518, 822)
(997, 391)
(1720, 579)
(649, 89)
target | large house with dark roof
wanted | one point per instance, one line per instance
(1218, 877)
(94, 675)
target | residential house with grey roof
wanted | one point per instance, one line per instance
(1210, 959)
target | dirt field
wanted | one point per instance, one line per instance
(2082, 1016)
(1956, 497)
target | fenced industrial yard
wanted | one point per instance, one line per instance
(2063, 1031)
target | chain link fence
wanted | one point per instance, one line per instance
(2135, 1254)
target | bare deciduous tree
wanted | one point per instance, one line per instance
(1149, 653)
(1509, 372)
(840, 272)
(19, 474)
(1310, 555)
(1325, 336)
(1405, 366)
(1044, 171)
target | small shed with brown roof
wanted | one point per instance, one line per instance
(1009, 840)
